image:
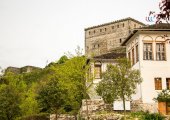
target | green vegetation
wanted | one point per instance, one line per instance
(41, 116)
(146, 116)
(163, 96)
(119, 82)
(58, 88)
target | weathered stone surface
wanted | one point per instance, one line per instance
(25, 69)
(62, 117)
(138, 105)
(93, 106)
(110, 116)
(104, 38)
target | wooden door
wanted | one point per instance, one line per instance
(162, 108)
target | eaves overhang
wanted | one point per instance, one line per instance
(142, 31)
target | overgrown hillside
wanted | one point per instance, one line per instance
(58, 88)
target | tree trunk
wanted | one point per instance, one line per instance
(124, 107)
(56, 114)
(87, 110)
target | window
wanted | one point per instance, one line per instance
(129, 57)
(134, 25)
(168, 83)
(97, 71)
(137, 55)
(100, 30)
(147, 51)
(120, 40)
(117, 26)
(160, 51)
(158, 84)
(94, 31)
(123, 24)
(105, 29)
(89, 32)
(133, 58)
(112, 27)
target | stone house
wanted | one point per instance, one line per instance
(148, 48)
(104, 38)
(103, 46)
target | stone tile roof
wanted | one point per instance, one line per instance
(117, 53)
(154, 27)
(117, 21)
(161, 26)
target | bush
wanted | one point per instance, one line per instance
(42, 116)
(153, 116)
(147, 116)
(137, 114)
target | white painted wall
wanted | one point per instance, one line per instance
(150, 69)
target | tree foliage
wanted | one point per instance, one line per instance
(70, 77)
(59, 87)
(164, 14)
(9, 102)
(163, 96)
(63, 59)
(51, 96)
(119, 82)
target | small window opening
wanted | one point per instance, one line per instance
(123, 24)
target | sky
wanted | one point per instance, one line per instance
(37, 32)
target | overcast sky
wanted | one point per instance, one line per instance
(34, 31)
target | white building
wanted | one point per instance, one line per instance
(148, 48)
(98, 65)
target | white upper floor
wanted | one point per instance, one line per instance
(149, 51)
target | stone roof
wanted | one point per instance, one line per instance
(160, 26)
(154, 27)
(117, 53)
(117, 21)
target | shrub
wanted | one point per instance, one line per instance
(41, 116)
(152, 116)
(163, 96)
(147, 116)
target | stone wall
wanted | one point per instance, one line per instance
(25, 69)
(62, 117)
(93, 106)
(97, 106)
(138, 105)
(104, 38)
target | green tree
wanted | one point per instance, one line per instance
(9, 102)
(73, 72)
(119, 82)
(63, 59)
(51, 96)
(29, 104)
(70, 77)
